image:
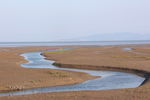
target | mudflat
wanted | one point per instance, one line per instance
(14, 77)
(94, 57)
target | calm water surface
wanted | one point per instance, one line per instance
(15, 44)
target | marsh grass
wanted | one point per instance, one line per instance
(35, 81)
(58, 73)
(56, 52)
(133, 56)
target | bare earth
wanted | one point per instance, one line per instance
(112, 56)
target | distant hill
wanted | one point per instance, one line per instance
(114, 37)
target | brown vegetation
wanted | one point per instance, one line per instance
(99, 58)
(15, 77)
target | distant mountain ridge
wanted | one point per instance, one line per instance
(114, 37)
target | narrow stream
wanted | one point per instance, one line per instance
(109, 80)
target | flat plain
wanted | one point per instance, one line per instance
(14, 77)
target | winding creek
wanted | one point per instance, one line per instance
(109, 80)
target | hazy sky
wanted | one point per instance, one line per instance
(54, 20)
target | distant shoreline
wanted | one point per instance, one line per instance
(74, 43)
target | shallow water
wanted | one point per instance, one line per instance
(109, 80)
(127, 49)
(16, 44)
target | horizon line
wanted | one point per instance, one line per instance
(73, 41)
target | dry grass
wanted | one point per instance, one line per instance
(107, 56)
(15, 77)
(58, 74)
(56, 52)
(132, 56)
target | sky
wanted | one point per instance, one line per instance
(68, 20)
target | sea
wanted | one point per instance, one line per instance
(71, 43)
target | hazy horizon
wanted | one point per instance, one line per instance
(79, 20)
(73, 41)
